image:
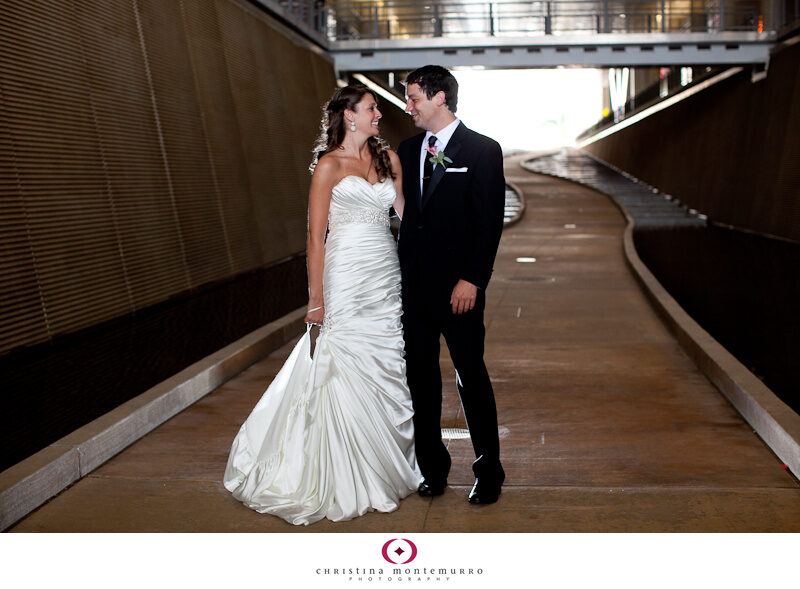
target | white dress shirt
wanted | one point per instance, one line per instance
(442, 138)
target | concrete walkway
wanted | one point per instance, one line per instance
(607, 425)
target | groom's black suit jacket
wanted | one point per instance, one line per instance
(455, 232)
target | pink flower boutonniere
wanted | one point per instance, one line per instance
(438, 157)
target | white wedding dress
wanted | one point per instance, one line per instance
(332, 436)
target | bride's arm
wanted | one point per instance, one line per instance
(319, 202)
(399, 201)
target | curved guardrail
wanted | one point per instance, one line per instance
(774, 421)
(515, 205)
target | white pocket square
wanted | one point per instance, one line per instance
(456, 169)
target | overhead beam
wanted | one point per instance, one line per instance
(612, 50)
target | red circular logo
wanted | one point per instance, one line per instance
(399, 551)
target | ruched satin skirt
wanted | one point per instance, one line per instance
(333, 435)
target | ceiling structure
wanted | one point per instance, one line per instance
(396, 35)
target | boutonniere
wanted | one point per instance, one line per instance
(438, 157)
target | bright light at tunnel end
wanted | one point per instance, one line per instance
(533, 109)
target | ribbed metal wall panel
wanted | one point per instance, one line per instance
(222, 134)
(731, 151)
(47, 108)
(146, 148)
(261, 114)
(191, 185)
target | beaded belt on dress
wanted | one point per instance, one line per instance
(359, 216)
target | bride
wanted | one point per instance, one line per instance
(333, 435)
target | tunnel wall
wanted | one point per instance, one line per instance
(153, 191)
(731, 151)
(147, 148)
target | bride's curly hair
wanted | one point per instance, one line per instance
(333, 130)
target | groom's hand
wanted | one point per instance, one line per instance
(463, 297)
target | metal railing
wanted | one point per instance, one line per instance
(313, 14)
(403, 19)
(407, 19)
(671, 82)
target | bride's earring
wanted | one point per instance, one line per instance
(352, 125)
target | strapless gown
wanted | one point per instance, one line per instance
(333, 436)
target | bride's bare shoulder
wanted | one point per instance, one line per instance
(394, 159)
(328, 167)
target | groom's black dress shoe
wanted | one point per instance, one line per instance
(484, 491)
(430, 489)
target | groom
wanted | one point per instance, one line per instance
(455, 193)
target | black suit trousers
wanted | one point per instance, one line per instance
(423, 323)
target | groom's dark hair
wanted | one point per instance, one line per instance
(434, 78)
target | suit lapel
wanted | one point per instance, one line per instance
(413, 164)
(453, 147)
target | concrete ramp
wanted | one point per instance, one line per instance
(607, 425)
